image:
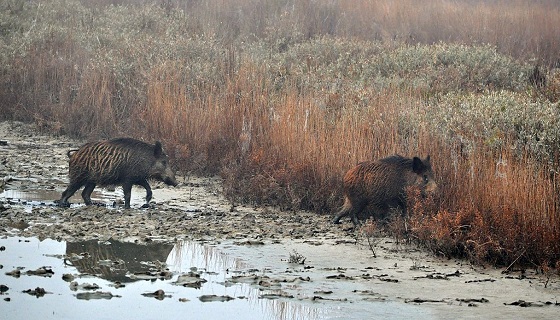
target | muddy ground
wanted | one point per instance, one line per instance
(195, 209)
(34, 163)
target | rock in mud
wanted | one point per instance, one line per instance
(14, 273)
(250, 279)
(38, 292)
(341, 276)
(74, 286)
(276, 295)
(43, 271)
(68, 277)
(117, 285)
(421, 300)
(481, 300)
(190, 279)
(525, 304)
(152, 275)
(249, 243)
(158, 294)
(480, 280)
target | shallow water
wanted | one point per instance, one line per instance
(120, 269)
(36, 197)
(109, 262)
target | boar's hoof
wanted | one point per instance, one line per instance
(145, 206)
(62, 204)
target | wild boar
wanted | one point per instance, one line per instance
(121, 161)
(381, 185)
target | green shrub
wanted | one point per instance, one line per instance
(497, 117)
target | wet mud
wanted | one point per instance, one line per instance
(192, 250)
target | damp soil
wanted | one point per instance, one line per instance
(193, 252)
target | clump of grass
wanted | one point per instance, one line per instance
(296, 257)
(372, 233)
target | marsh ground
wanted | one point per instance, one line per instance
(339, 275)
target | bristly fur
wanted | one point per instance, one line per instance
(381, 185)
(121, 161)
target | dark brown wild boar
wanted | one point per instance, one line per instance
(381, 185)
(122, 161)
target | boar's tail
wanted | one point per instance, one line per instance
(69, 153)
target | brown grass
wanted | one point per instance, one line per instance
(496, 207)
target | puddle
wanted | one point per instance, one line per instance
(40, 197)
(121, 280)
(116, 261)
(35, 197)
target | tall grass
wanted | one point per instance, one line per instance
(520, 28)
(280, 98)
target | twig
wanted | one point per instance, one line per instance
(514, 261)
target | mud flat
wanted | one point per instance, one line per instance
(285, 265)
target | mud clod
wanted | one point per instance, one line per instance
(43, 272)
(213, 298)
(158, 294)
(96, 295)
(38, 292)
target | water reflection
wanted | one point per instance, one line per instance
(100, 196)
(43, 196)
(30, 198)
(115, 260)
(221, 269)
(187, 254)
(104, 263)
(281, 309)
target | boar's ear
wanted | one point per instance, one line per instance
(417, 165)
(158, 150)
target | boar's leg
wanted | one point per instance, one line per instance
(350, 209)
(146, 185)
(354, 214)
(72, 188)
(342, 213)
(86, 194)
(127, 189)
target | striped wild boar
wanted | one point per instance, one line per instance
(122, 161)
(381, 186)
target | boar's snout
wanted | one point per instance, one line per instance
(170, 181)
(425, 176)
(168, 176)
(431, 187)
